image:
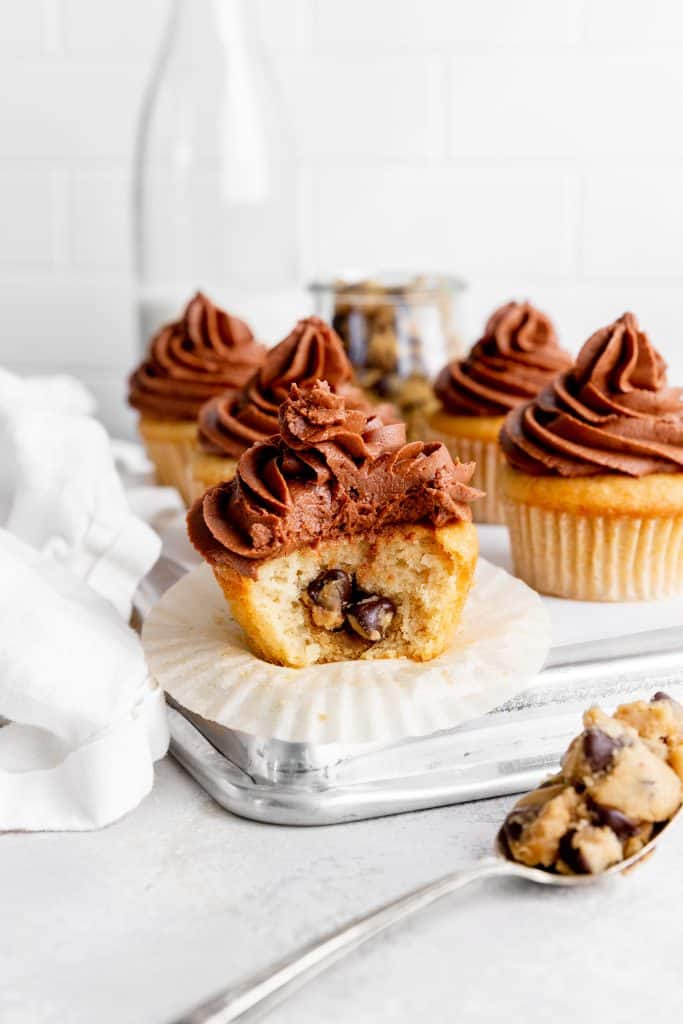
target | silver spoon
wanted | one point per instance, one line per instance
(262, 991)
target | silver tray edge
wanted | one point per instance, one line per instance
(506, 751)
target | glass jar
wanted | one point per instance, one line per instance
(214, 187)
(398, 331)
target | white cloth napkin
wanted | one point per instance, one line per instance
(87, 723)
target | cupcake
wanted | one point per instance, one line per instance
(594, 485)
(517, 356)
(336, 540)
(231, 423)
(202, 354)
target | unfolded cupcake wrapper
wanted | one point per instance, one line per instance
(172, 461)
(198, 654)
(489, 460)
(594, 557)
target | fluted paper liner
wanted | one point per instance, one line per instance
(594, 557)
(207, 471)
(172, 461)
(489, 459)
(198, 654)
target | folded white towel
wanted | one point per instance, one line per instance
(87, 723)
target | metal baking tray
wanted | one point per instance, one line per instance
(506, 751)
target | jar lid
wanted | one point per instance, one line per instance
(388, 283)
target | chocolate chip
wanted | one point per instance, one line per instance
(572, 856)
(513, 826)
(598, 748)
(622, 826)
(371, 617)
(513, 830)
(331, 589)
(329, 593)
(660, 695)
(504, 843)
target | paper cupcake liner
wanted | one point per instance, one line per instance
(206, 472)
(198, 654)
(196, 488)
(172, 460)
(596, 558)
(489, 460)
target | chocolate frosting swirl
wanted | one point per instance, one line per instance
(612, 413)
(202, 354)
(332, 471)
(229, 424)
(517, 356)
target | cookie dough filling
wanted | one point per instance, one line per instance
(621, 781)
(336, 601)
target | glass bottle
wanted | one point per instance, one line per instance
(214, 180)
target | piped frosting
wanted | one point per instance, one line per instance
(229, 424)
(613, 412)
(203, 353)
(517, 356)
(331, 472)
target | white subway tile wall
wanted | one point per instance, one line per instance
(532, 147)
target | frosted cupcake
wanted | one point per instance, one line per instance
(516, 357)
(231, 423)
(336, 540)
(202, 354)
(594, 488)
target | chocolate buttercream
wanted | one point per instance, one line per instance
(202, 354)
(517, 356)
(331, 472)
(229, 424)
(612, 413)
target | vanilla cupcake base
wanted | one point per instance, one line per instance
(425, 572)
(197, 652)
(474, 439)
(208, 471)
(170, 445)
(602, 538)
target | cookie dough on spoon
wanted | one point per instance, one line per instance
(620, 783)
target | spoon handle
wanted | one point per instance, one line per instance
(260, 992)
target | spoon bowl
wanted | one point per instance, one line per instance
(541, 876)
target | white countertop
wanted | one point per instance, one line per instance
(138, 922)
(135, 923)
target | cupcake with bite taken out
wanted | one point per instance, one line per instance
(336, 540)
(231, 423)
(516, 357)
(201, 354)
(594, 484)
